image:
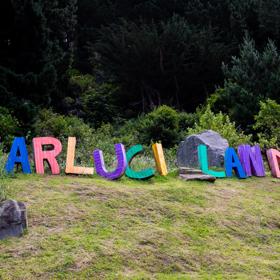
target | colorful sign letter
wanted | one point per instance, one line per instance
(251, 160)
(70, 167)
(121, 165)
(42, 155)
(232, 162)
(160, 160)
(274, 161)
(18, 155)
(203, 160)
(140, 175)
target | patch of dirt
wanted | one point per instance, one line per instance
(83, 260)
(99, 193)
(220, 199)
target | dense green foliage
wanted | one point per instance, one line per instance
(160, 125)
(250, 78)
(3, 175)
(163, 124)
(95, 64)
(8, 125)
(36, 52)
(267, 124)
(95, 102)
(163, 62)
(220, 123)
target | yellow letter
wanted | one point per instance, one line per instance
(160, 160)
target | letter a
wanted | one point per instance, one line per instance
(18, 155)
(232, 162)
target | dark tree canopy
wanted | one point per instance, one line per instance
(146, 52)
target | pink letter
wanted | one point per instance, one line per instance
(274, 161)
(42, 155)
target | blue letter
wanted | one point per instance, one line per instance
(232, 162)
(18, 155)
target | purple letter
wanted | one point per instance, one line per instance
(100, 165)
(251, 160)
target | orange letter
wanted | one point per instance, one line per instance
(160, 160)
(70, 167)
(50, 156)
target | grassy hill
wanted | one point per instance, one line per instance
(89, 228)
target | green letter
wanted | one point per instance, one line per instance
(203, 160)
(140, 175)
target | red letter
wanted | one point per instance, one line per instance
(50, 156)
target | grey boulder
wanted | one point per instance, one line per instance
(13, 219)
(187, 154)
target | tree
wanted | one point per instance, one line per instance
(171, 62)
(38, 51)
(250, 78)
(269, 20)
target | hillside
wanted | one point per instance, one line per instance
(89, 228)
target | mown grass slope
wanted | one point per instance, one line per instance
(89, 228)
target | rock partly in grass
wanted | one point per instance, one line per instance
(13, 219)
(190, 174)
(197, 177)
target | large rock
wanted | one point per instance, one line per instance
(13, 219)
(187, 155)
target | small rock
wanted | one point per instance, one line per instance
(191, 174)
(13, 219)
(189, 171)
(197, 177)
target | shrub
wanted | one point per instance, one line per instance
(95, 103)
(3, 174)
(129, 133)
(187, 120)
(267, 124)
(8, 126)
(220, 123)
(162, 124)
(52, 124)
(49, 123)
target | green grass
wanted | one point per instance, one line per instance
(89, 228)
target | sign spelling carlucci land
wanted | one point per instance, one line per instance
(246, 162)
